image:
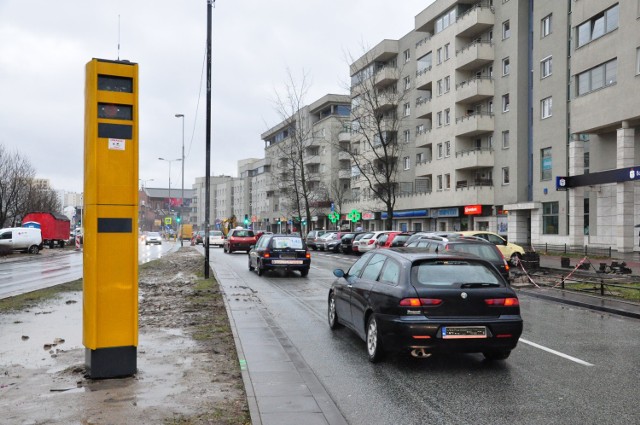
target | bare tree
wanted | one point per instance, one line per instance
(374, 148)
(295, 150)
(18, 194)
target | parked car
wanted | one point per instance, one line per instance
(333, 244)
(312, 238)
(368, 242)
(356, 242)
(346, 241)
(239, 240)
(279, 251)
(26, 239)
(216, 238)
(469, 244)
(511, 251)
(423, 303)
(418, 235)
(323, 240)
(153, 237)
(392, 239)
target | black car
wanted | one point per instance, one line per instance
(471, 245)
(279, 251)
(424, 303)
(346, 241)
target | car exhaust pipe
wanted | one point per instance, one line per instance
(420, 353)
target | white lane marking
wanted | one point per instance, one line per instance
(557, 353)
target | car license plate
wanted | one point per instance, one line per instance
(288, 255)
(286, 261)
(462, 332)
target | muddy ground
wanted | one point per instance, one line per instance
(188, 371)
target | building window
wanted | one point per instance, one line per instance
(447, 148)
(505, 102)
(545, 107)
(447, 18)
(586, 216)
(505, 66)
(439, 119)
(439, 87)
(407, 136)
(447, 181)
(638, 60)
(419, 158)
(439, 56)
(407, 83)
(505, 139)
(439, 183)
(406, 162)
(407, 109)
(505, 175)
(439, 150)
(506, 30)
(599, 25)
(596, 78)
(546, 164)
(545, 67)
(545, 26)
(446, 51)
(447, 116)
(550, 218)
(407, 55)
(447, 84)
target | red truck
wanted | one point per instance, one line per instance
(54, 227)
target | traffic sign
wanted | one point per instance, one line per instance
(167, 220)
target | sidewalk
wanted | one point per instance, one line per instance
(590, 301)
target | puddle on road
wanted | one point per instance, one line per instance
(27, 338)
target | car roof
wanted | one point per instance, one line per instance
(411, 255)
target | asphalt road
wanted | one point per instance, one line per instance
(572, 365)
(32, 272)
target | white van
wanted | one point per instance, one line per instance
(22, 239)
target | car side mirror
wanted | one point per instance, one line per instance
(338, 273)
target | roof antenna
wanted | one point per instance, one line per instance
(118, 37)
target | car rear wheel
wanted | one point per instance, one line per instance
(259, 269)
(304, 272)
(496, 355)
(515, 257)
(33, 249)
(332, 315)
(251, 268)
(374, 345)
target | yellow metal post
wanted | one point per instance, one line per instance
(110, 256)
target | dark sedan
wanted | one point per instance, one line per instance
(406, 299)
(285, 252)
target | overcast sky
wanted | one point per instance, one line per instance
(44, 46)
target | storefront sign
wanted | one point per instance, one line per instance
(473, 209)
(368, 216)
(407, 214)
(448, 212)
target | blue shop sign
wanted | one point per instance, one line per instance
(448, 212)
(407, 214)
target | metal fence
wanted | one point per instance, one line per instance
(586, 250)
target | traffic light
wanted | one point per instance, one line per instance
(246, 219)
(178, 219)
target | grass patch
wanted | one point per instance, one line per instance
(626, 291)
(30, 299)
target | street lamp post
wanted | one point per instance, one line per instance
(170, 161)
(182, 159)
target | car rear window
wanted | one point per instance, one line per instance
(282, 242)
(452, 273)
(481, 250)
(243, 233)
(215, 233)
(153, 234)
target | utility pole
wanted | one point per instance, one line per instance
(182, 197)
(207, 184)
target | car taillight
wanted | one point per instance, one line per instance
(419, 302)
(502, 302)
(266, 254)
(307, 254)
(372, 241)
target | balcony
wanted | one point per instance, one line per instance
(475, 90)
(474, 124)
(424, 168)
(424, 79)
(344, 155)
(423, 46)
(385, 102)
(422, 138)
(385, 76)
(474, 159)
(474, 55)
(475, 21)
(344, 174)
(423, 107)
(344, 136)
